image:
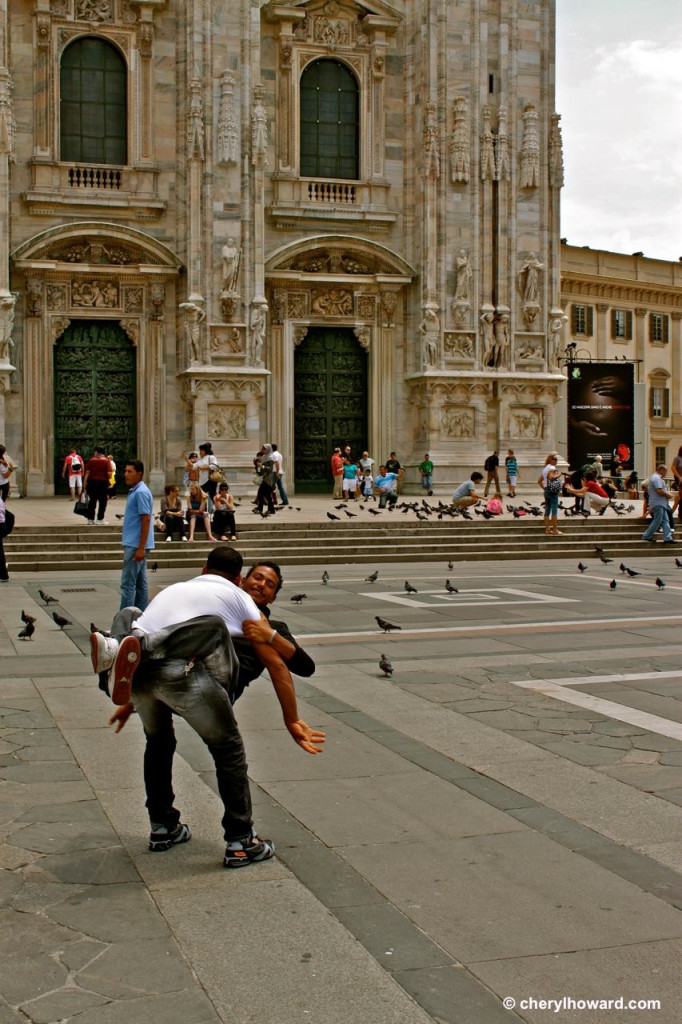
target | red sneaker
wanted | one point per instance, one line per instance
(126, 661)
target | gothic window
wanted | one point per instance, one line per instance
(93, 103)
(329, 98)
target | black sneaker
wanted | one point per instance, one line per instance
(239, 853)
(161, 839)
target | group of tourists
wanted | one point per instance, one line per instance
(355, 477)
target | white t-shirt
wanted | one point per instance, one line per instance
(278, 460)
(203, 595)
(546, 470)
(205, 466)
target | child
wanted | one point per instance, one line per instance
(367, 485)
(494, 506)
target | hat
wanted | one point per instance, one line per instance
(267, 447)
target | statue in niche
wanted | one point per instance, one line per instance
(487, 322)
(259, 126)
(257, 324)
(231, 257)
(488, 168)
(429, 329)
(502, 169)
(7, 303)
(194, 317)
(529, 275)
(554, 329)
(459, 149)
(501, 336)
(464, 276)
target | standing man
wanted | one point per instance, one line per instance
(73, 469)
(96, 484)
(490, 466)
(138, 537)
(393, 466)
(658, 503)
(337, 473)
(426, 473)
(279, 474)
(265, 468)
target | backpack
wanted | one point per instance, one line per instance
(489, 465)
(76, 465)
(8, 525)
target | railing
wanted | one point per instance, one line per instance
(332, 193)
(109, 178)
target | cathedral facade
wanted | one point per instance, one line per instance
(316, 222)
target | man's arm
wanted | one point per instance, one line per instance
(298, 661)
(286, 695)
(144, 533)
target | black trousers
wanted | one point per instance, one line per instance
(97, 498)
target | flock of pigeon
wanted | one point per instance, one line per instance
(30, 622)
(423, 511)
(625, 569)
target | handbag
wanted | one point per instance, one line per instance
(81, 506)
(215, 474)
(553, 486)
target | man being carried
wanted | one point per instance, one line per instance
(187, 667)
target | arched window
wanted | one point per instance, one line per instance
(93, 103)
(329, 121)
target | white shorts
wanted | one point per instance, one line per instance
(349, 485)
(75, 480)
(512, 480)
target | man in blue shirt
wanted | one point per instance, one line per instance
(385, 484)
(658, 503)
(138, 538)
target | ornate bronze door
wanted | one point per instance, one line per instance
(330, 403)
(94, 393)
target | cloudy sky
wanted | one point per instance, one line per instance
(619, 93)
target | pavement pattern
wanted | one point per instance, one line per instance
(496, 824)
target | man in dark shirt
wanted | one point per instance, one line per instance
(96, 485)
(490, 466)
(393, 466)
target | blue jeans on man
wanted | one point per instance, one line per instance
(134, 586)
(660, 520)
(280, 487)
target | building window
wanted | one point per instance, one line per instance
(329, 121)
(621, 324)
(659, 401)
(582, 320)
(93, 103)
(658, 328)
(660, 455)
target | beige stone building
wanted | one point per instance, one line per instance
(629, 308)
(312, 222)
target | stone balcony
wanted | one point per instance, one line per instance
(322, 200)
(123, 190)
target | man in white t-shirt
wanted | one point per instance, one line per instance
(184, 666)
(279, 474)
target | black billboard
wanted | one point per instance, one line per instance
(601, 413)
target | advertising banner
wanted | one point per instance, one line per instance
(601, 413)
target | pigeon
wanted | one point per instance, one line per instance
(600, 551)
(409, 589)
(61, 621)
(466, 515)
(632, 572)
(613, 584)
(330, 515)
(154, 566)
(386, 626)
(450, 589)
(581, 567)
(96, 629)
(421, 518)
(27, 632)
(325, 577)
(451, 566)
(351, 515)
(374, 512)
(623, 568)
(604, 560)
(373, 578)
(342, 505)
(678, 563)
(46, 597)
(385, 665)
(119, 515)
(27, 618)
(298, 598)
(659, 583)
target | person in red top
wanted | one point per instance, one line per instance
(594, 494)
(73, 469)
(337, 473)
(96, 483)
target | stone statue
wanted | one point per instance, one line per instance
(231, 256)
(487, 321)
(259, 126)
(554, 329)
(501, 344)
(257, 325)
(460, 146)
(530, 149)
(529, 278)
(488, 169)
(429, 328)
(194, 317)
(464, 275)
(7, 303)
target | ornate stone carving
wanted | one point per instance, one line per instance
(58, 325)
(226, 422)
(229, 303)
(227, 340)
(7, 303)
(487, 335)
(7, 126)
(59, 8)
(364, 335)
(228, 134)
(556, 154)
(529, 288)
(231, 256)
(195, 122)
(457, 422)
(34, 296)
(526, 423)
(459, 346)
(488, 169)
(366, 307)
(94, 11)
(145, 38)
(257, 324)
(131, 325)
(429, 328)
(157, 298)
(529, 350)
(557, 319)
(56, 297)
(85, 250)
(332, 302)
(431, 154)
(259, 126)
(279, 306)
(329, 29)
(194, 317)
(43, 31)
(299, 335)
(296, 305)
(502, 163)
(530, 149)
(129, 13)
(500, 355)
(95, 293)
(463, 276)
(460, 312)
(460, 147)
(332, 261)
(530, 316)
(132, 300)
(389, 301)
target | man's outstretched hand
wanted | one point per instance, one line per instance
(305, 736)
(121, 716)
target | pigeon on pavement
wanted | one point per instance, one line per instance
(27, 618)
(373, 577)
(581, 567)
(46, 597)
(154, 566)
(409, 589)
(330, 515)
(678, 563)
(61, 621)
(27, 632)
(632, 572)
(659, 583)
(450, 589)
(385, 665)
(351, 515)
(604, 560)
(325, 577)
(451, 566)
(374, 512)
(613, 584)
(386, 626)
(298, 598)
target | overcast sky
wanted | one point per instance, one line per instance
(619, 93)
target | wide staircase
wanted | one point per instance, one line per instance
(73, 547)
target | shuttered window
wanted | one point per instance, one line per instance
(582, 320)
(659, 401)
(329, 121)
(93, 103)
(621, 324)
(658, 328)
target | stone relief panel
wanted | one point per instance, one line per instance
(457, 422)
(526, 423)
(459, 345)
(332, 302)
(133, 299)
(297, 305)
(366, 306)
(227, 341)
(226, 421)
(97, 294)
(529, 350)
(56, 297)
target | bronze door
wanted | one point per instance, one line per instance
(330, 403)
(94, 394)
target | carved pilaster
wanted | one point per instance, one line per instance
(227, 150)
(460, 147)
(530, 149)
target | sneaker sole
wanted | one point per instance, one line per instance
(126, 661)
(94, 652)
